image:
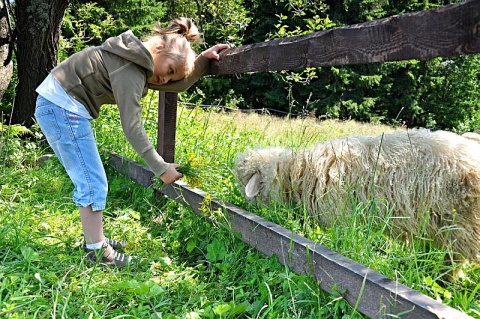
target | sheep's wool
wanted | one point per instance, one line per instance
(425, 183)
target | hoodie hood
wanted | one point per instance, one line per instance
(130, 48)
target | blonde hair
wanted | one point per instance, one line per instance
(177, 37)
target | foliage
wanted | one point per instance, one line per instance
(413, 93)
(90, 23)
(220, 21)
(266, 90)
(355, 11)
(15, 146)
(406, 92)
(450, 95)
(84, 26)
(137, 15)
(15, 130)
(438, 93)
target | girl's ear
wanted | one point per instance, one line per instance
(159, 47)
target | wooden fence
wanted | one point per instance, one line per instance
(447, 31)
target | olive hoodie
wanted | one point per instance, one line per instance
(116, 72)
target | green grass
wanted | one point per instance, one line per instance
(190, 267)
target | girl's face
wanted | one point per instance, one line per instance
(166, 69)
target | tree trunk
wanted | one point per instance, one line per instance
(38, 25)
(5, 70)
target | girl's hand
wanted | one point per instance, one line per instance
(171, 174)
(213, 52)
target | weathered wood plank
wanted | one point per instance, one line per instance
(377, 296)
(167, 123)
(135, 171)
(447, 31)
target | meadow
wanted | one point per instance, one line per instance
(189, 267)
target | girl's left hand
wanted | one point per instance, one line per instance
(171, 174)
(213, 52)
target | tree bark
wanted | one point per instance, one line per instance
(6, 69)
(38, 25)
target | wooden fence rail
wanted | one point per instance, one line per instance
(447, 31)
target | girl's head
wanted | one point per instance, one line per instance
(172, 54)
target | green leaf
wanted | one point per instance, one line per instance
(134, 214)
(222, 309)
(28, 253)
(128, 284)
(238, 309)
(216, 251)
(156, 290)
(191, 244)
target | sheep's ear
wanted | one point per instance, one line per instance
(253, 186)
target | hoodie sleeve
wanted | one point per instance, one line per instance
(199, 68)
(128, 85)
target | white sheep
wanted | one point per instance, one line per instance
(430, 180)
(472, 135)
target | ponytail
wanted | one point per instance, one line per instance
(182, 26)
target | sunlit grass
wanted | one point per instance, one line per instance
(190, 268)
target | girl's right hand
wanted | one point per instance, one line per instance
(213, 52)
(171, 174)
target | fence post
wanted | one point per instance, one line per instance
(167, 124)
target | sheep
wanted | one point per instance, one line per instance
(472, 135)
(416, 172)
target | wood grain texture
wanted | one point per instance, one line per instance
(377, 296)
(447, 31)
(167, 125)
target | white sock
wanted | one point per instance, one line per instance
(95, 245)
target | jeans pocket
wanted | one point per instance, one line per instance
(80, 126)
(48, 123)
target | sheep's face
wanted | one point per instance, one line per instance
(264, 173)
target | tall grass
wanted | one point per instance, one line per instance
(190, 267)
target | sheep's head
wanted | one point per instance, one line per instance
(264, 173)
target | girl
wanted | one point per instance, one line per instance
(117, 72)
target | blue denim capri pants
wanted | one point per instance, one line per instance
(71, 138)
